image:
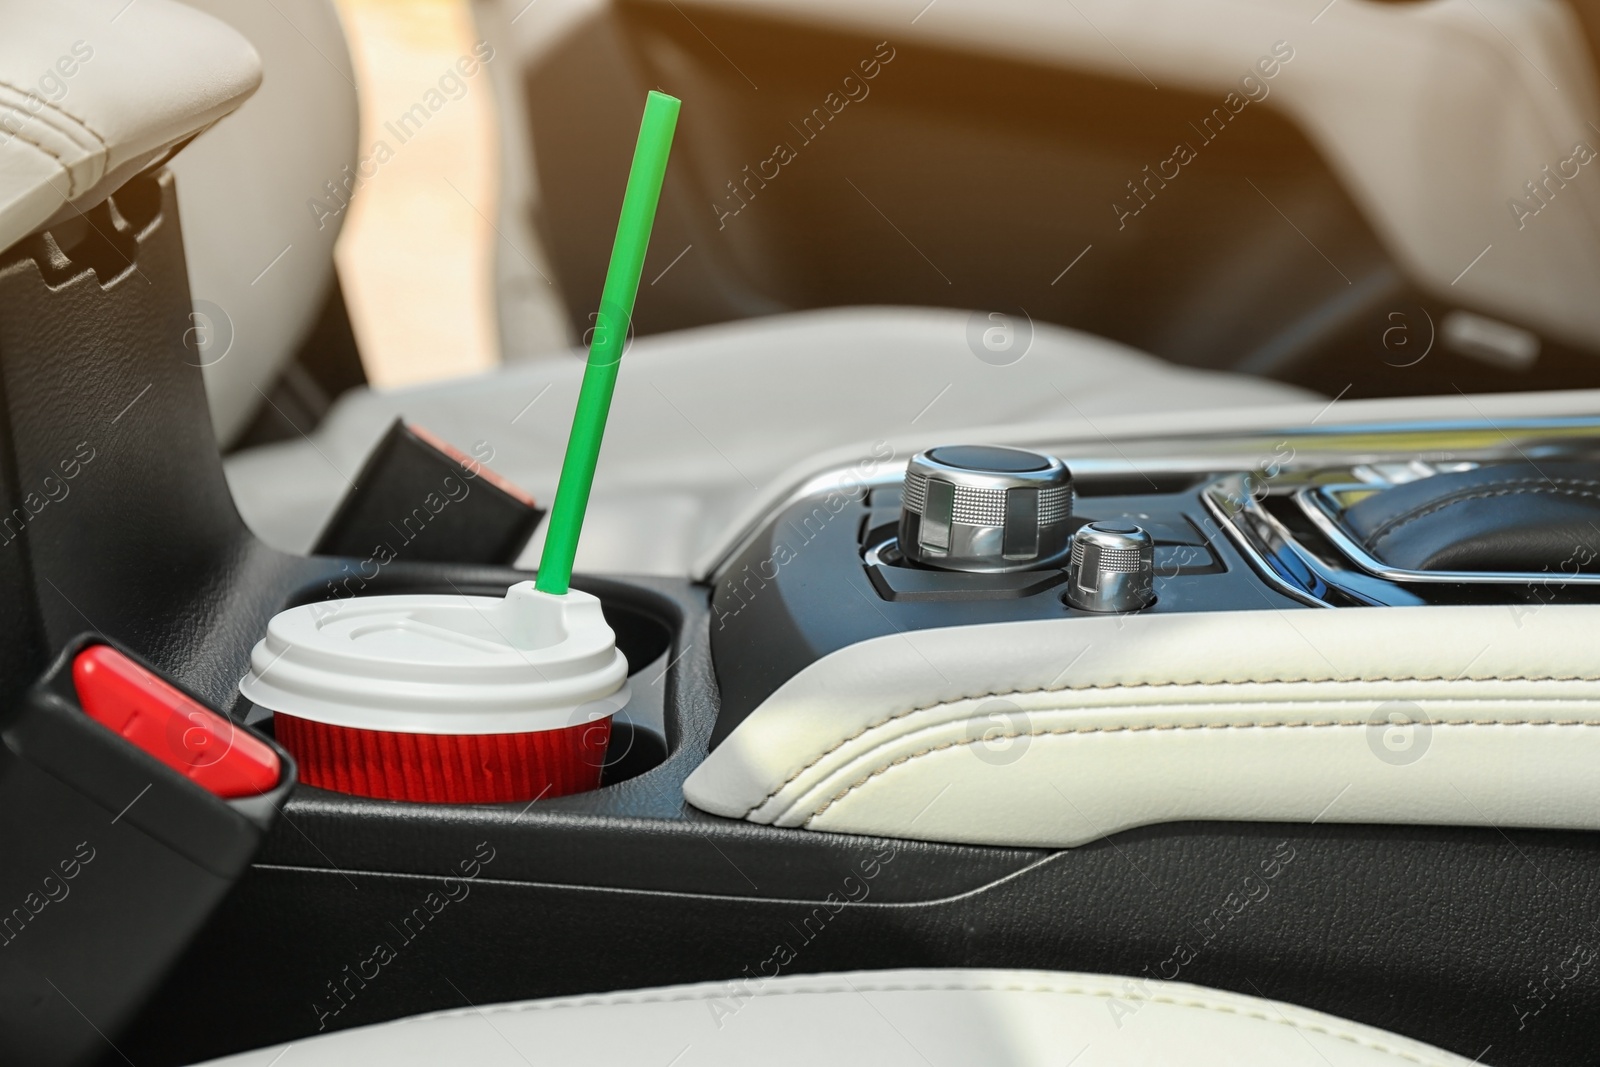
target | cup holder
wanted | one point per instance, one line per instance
(374, 759)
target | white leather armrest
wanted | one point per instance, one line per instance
(94, 91)
(1059, 732)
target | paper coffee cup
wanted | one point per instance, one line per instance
(449, 699)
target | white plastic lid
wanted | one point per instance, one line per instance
(442, 664)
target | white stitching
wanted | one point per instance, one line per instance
(1503, 487)
(72, 183)
(1132, 994)
(1107, 686)
(58, 109)
(1062, 731)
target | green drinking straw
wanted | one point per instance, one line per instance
(610, 334)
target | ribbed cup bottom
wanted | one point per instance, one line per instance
(447, 768)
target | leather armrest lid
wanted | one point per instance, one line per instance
(1053, 733)
(94, 91)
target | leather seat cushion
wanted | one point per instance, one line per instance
(914, 1018)
(703, 419)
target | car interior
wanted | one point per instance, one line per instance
(996, 531)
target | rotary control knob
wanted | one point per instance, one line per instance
(1113, 564)
(985, 508)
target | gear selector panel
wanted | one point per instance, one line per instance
(979, 534)
(973, 534)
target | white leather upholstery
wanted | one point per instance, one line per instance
(1058, 732)
(703, 419)
(94, 91)
(244, 190)
(878, 1018)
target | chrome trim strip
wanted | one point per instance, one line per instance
(1318, 447)
(1262, 540)
(1280, 559)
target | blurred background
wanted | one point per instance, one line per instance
(974, 166)
(415, 258)
(1340, 200)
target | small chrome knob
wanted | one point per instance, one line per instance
(985, 508)
(1112, 566)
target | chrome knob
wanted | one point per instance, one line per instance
(1112, 566)
(985, 508)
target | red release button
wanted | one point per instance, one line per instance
(187, 736)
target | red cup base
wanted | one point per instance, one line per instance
(447, 768)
